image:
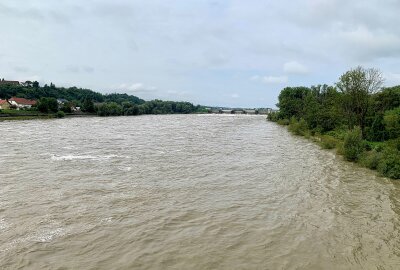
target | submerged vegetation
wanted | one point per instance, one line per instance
(357, 116)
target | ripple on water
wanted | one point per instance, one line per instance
(187, 192)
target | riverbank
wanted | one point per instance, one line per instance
(380, 156)
(7, 115)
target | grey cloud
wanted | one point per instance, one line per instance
(200, 46)
(34, 13)
(356, 28)
(88, 69)
(294, 67)
(113, 10)
(367, 45)
(270, 79)
(136, 88)
(79, 69)
(21, 69)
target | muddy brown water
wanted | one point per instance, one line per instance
(187, 192)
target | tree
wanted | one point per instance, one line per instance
(357, 86)
(392, 122)
(292, 101)
(353, 144)
(88, 106)
(46, 105)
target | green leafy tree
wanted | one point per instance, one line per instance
(292, 101)
(353, 144)
(47, 105)
(357, 86)
(88, 105)
(392, 123)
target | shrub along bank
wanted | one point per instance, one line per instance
(357, 117)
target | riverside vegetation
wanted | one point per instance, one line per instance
(357, 117)
(90, 102)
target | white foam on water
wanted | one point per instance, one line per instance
(106, 220)
(125, 169)
(3, 224)
(82, 157)
(50, 235)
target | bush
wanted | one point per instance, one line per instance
(299, 127)
(389, 165)
(338, 133)
(66, 107)
(283, 122)
(392, 122)
(394, 144)
(370, 159)
(47, 104)
(353, 144)
(328, 142)
(109, 109)
(60, 114)
(273, 116)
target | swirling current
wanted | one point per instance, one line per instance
(187, 192)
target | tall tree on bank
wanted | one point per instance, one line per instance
(292, 101)
(357, 85)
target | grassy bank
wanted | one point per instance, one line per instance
(384, 157)
(33, 114)
(357, 116)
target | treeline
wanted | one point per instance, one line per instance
(149, 107)
(92, 102)
(32, 90)
(357, 116)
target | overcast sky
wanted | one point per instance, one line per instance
(216, 52)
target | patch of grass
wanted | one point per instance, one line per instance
(389, 164)
(370, 159)
(283, 122)
(328, 142)
(299, 127)
(20, 112)
(13, 118)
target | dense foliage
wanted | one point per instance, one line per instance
(47, 104)
(357, 116)
(31, 90)
(92, 102)
(149, 107)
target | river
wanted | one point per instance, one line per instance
(187, 192)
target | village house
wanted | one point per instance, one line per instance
(2, 81)
(21, 103)
(4, 105)
(61, 101)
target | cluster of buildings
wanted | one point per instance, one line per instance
(2, 81)
(23, 103)
(16, 103)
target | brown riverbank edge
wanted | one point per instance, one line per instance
(376, 156)
(10, 117)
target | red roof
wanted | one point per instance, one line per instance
(23, 101)
(3, 101)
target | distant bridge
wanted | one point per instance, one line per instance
(263, 111)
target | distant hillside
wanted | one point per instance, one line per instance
(92, 102)
(32, 90)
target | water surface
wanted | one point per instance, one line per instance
(187, 192)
